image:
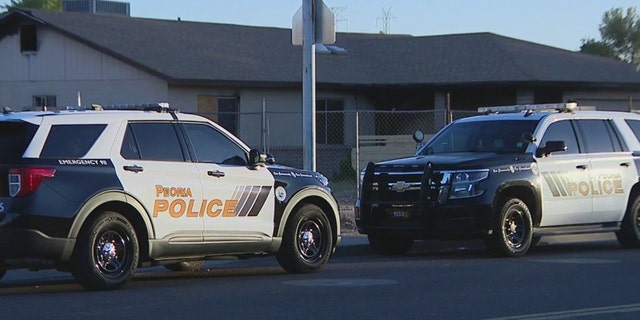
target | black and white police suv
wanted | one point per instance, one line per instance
(100, 193)
(510, 178)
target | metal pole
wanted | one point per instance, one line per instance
(358, 153)
(264, 125)
(308, 85)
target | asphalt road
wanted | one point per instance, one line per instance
(564, 278)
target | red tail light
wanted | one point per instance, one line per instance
(25, 181)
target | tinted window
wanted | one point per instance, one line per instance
(597, 135)
(71, 141)
(14, 139)
(561, 131)
(210, 145)
(152, 141)
(635, 127)
(504, 136)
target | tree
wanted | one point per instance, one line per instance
(620, 33)
(34, 4)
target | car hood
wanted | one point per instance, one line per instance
(455, 161)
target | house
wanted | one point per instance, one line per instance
(235, 73)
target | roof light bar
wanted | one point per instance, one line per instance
(560, 107)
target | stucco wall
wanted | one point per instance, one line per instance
(62, 67)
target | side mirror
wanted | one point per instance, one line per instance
(418, 136)
(551, 146)
(254, 157)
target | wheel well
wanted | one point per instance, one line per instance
(635, 191)
(133, 216)
(527, 196)
(326, 207)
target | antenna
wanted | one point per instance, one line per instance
(386, 18)
(339, 19)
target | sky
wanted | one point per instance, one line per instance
(557, 23)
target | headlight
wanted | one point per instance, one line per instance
(464, 184)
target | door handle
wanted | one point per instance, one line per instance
(582, 166)
(134, 168)
(625, 164)
(217, 174)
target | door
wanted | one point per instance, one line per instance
(239, 201)
(612, 170)
(564, 179)
(160, 178)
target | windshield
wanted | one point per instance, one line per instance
(500, 136)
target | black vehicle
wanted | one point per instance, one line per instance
(508, 179)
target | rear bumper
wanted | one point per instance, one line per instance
(21, 248)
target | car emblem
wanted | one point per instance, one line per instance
(399, 186)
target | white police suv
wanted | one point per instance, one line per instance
(100, 193)
(510, 178)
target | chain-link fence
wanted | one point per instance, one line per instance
(345, 140)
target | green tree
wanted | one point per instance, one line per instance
(620, 33)
(34, 4)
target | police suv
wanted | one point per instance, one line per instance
(510, 178)
(100, 193)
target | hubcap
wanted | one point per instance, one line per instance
(111, 252)
(513, 228)
(310, 240)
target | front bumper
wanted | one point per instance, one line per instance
(452, 221)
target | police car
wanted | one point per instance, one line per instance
(510, 178)
(100, 193)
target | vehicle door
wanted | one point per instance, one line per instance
(612, 171)
(563, 175)
(152, 168)
(238, 202)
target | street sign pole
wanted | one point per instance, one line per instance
(309, 85)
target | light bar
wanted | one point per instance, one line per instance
(560, 107)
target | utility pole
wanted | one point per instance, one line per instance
(309, 84)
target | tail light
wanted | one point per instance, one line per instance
(25, 181)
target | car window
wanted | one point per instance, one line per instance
(152, 141)
(635, 127)
(71, 141)
(597, 136)
(211, 145)
(15, 136)
(561, 131)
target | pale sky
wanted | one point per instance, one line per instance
(557, 23)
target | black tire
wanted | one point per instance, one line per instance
(185, 265)
(535, 240)
(390, 245)
(107, 252)
(512, 229)
(307, 241)
(629, 234)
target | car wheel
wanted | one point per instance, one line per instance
(390, 245)
(629, 234)
(185, 265)
(512, 230)
(107, 253)
(307, 241)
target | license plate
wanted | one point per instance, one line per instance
(399, 214)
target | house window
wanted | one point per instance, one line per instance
(329, 121)
(223, 110)
(44, 101)
(28, 38)
(228, 113)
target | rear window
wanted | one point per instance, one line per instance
(14, 139)
(71, 141)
